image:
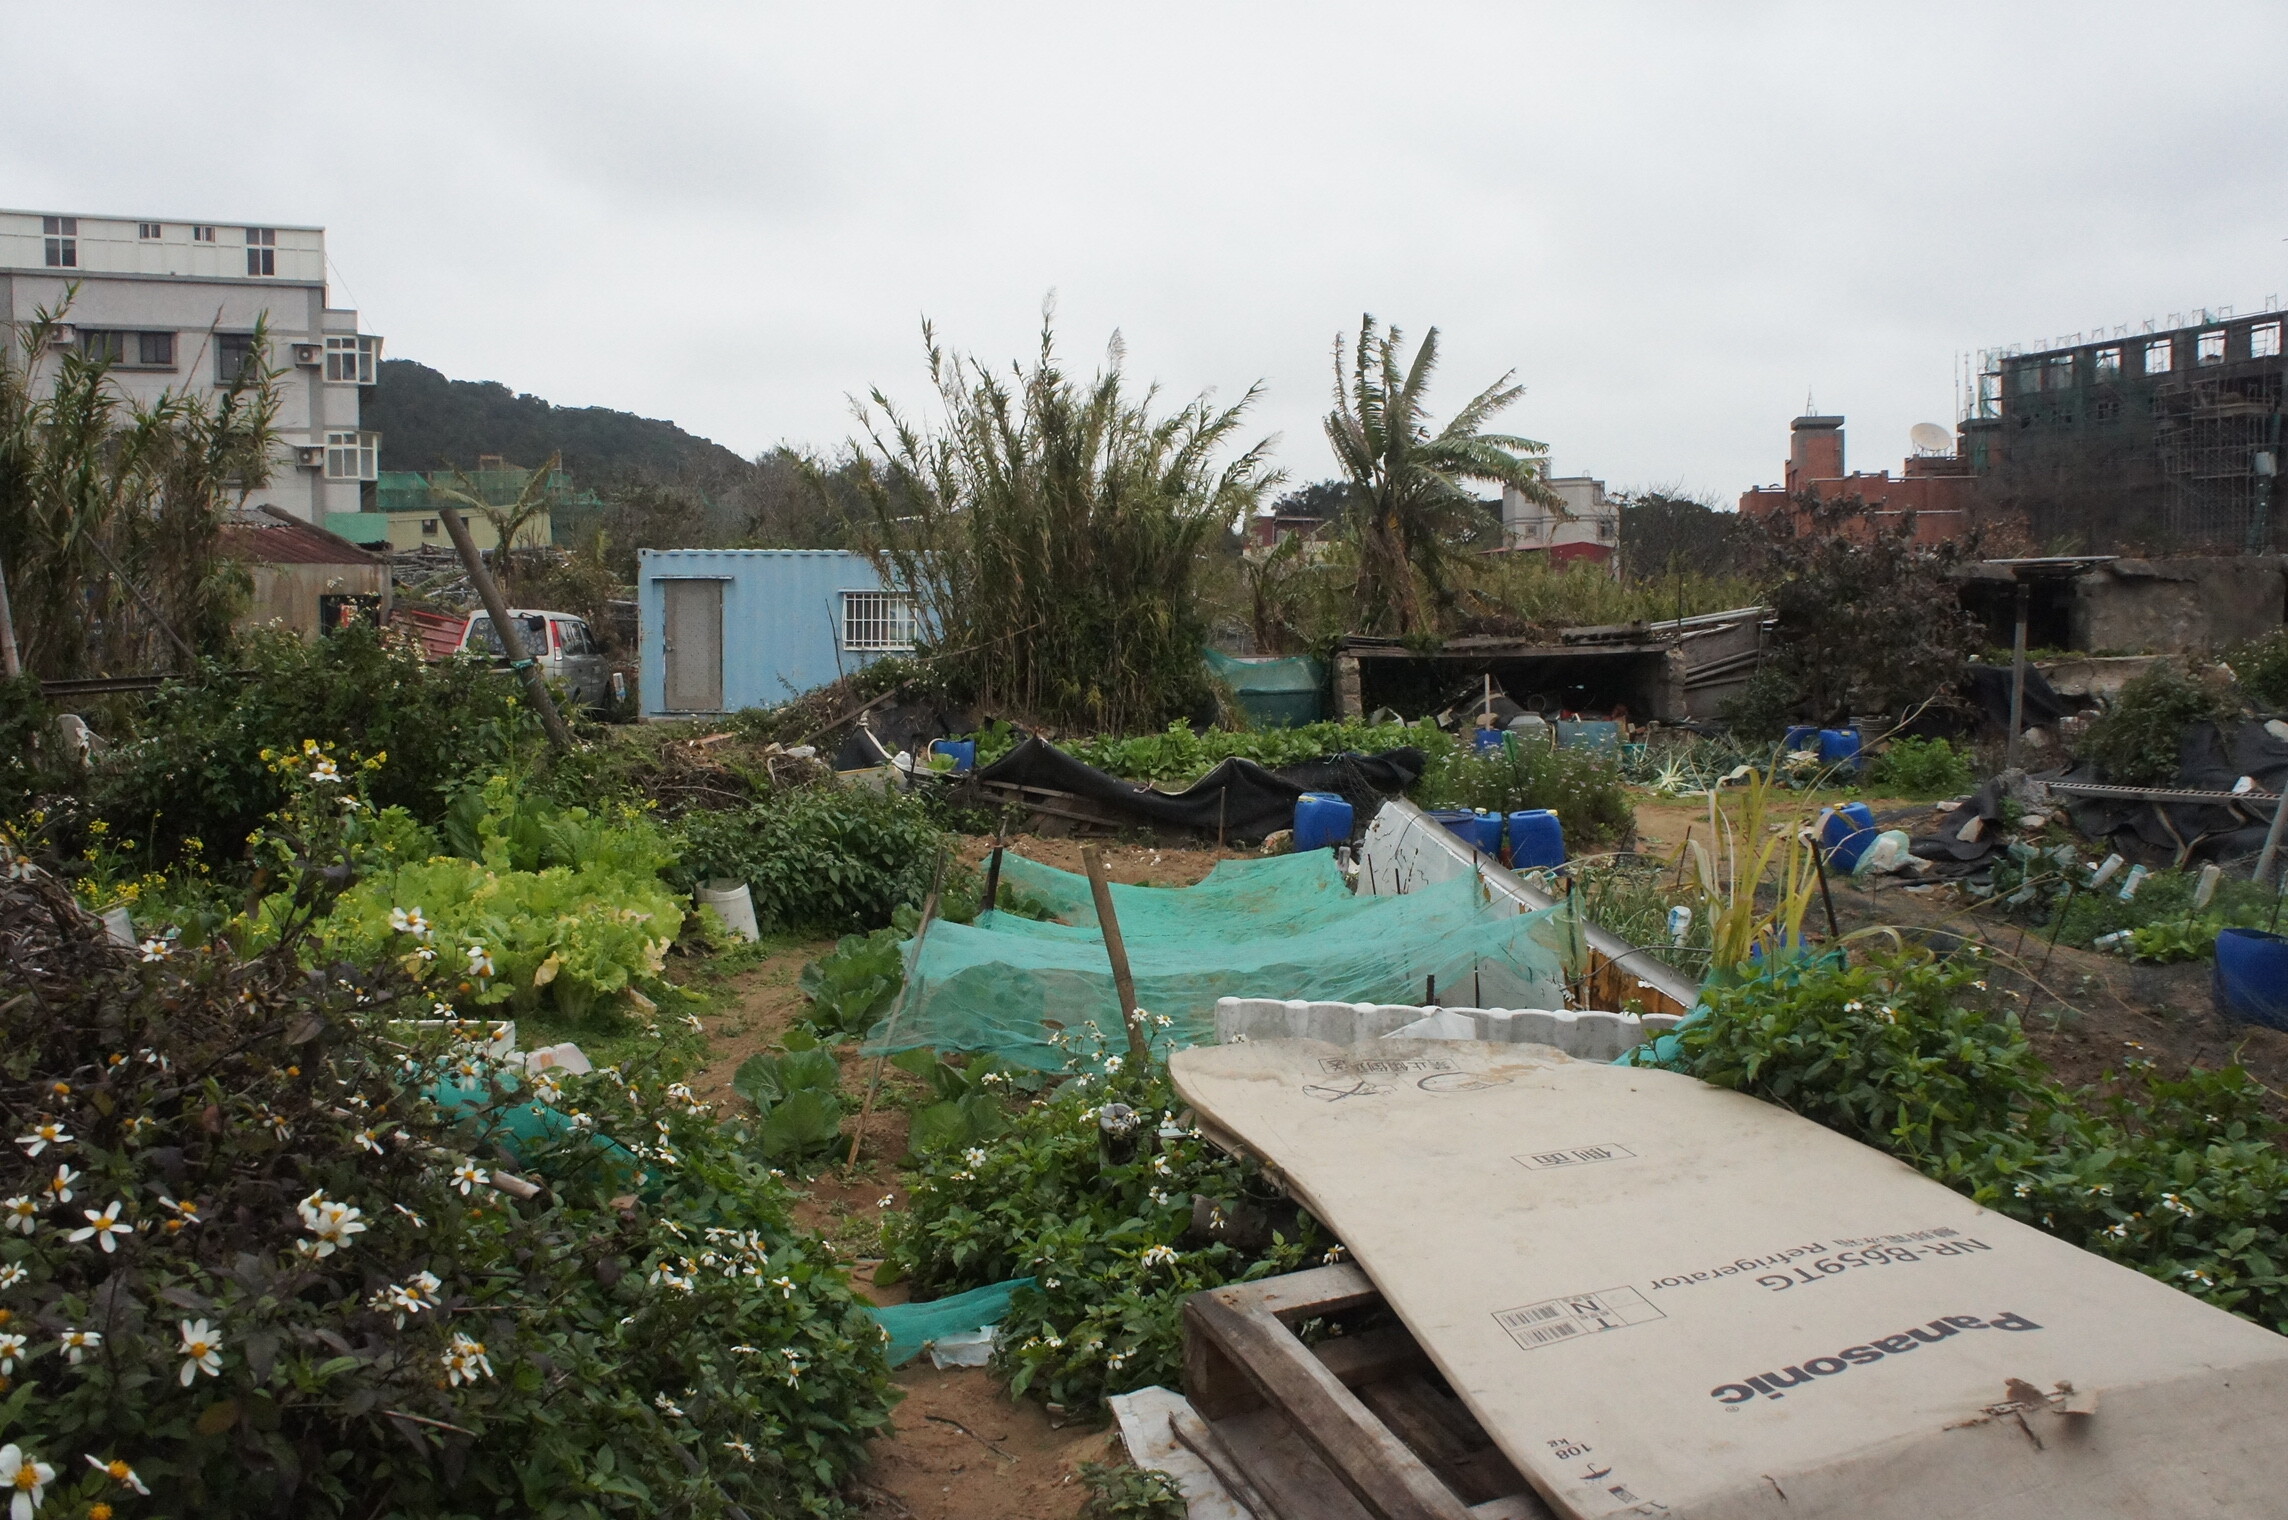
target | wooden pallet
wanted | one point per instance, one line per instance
(1357, 1427)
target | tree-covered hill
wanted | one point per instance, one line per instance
(429, 422)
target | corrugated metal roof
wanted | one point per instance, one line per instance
(274, 539)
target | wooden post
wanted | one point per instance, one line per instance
(890, 1029)
(1123, 984)
(1223, 804)
(535, 684)
(11, 664)
(993, 867)
(2271, 850)
(2017, 676)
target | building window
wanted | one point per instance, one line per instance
(350, 456)
(428, 527)
(877, 620)
(103, 347)
(149, 232)
(202, 234)
(2158, 356)
(2058, 374)
(155, 349)
(62, 241)
(261, 250)
(2025, 378)
(2208, 348)
(350, 359)
(2108, 363)
(2264, 341)
(235, 359)
(2107, 409)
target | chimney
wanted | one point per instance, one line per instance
(1815, 451)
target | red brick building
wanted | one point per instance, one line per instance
(1934, 488)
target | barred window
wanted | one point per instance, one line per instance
(877, 620)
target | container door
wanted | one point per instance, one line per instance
(694, 646)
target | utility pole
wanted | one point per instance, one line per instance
(535, 684)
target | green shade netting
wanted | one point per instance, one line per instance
(1277, 693)
(910, 1327)
(1287, 927)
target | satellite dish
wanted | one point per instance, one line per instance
(1930, 438)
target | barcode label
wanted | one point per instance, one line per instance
(1533, 1326)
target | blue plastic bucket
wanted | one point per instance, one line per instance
(1536, 840)
(1322, 821)
(1845, 833)
(1839, 746)
(1601, 735)
(1800, 737)
(2250, 983)
(963, 751)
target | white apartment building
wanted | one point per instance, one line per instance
(1589, 526)
(174, 305)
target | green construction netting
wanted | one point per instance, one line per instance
(1287, 927)
(1276, 693)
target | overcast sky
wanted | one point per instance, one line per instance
(1672, 221)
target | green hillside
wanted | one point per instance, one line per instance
(429, 422)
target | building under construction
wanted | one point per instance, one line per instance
(2160, 439)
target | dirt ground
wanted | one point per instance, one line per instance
(959, 1448)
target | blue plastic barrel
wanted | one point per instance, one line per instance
(1800, 737)
(1845, 832)
(2250, 983)
(1839, 746)
(1322, 821)
(1601, 735)
(1478, 830)
(963, 751)
(1486, 739)
(1536, 840)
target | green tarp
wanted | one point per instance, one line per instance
(1275, 693)
(1286, 927)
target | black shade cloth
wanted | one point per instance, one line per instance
(2207, 760)
(1990, 689)
(1249, 800)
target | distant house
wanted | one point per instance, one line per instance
(1587, 526)
(304, 578)
(405, 507)
(722, 629)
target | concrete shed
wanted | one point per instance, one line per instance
(723, 629)
(304, 578)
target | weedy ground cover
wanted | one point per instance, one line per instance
(2183, 1180)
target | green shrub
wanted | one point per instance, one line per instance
(196, 767)
(1105, 1231)
(390, 1333)
(817, 858)
(1920, 768)
(2180, 1179)
(1761, 711)
(1584, 789)
(2137, 741)
(2262, 667)
(1180, 754)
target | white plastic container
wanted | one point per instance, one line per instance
(733, 904)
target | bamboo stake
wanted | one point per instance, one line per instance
(890, 1029)
(1819, 864)
(535, 684)
(11, 664)
(993, 867)
(1123, 983)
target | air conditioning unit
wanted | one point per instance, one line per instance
(309, 355)
(62, 335)
(310, 456)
